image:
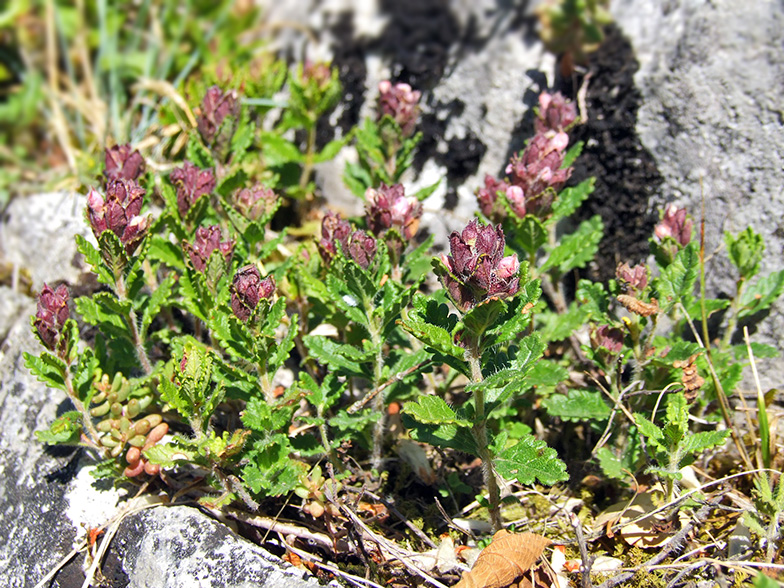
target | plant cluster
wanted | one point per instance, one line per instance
(242, 365)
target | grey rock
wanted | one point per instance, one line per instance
(711, 75)
(179, 547)
(38, 235)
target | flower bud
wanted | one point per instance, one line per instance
(255, 202)
(401, 103)
(537, 172)
(608, 338)
(215, 107)
(51, 314)
(556, 114)
(487, 198)
(121, 163)
(207, 240)
(361, 248)
(191, 183)
(675, 225)
(632, 277)
(477, 268)
(320, 73)
(119, 212)
(389, 207)
(248, 289)
(334, 230)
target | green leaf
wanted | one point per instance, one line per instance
(573, 153)
(338, 356)
(761, 295)
(570, 199)
(198, 154)
(47, 368)
(99, 311)
(270, 469)
(423, 193)
(161, 249)
(577, 249)
(260, 417)
(518, 313)
(178, 451)
(483, 315)
(694, 310)
(459, 438)
(557, 327)
(93, 258)
(503, 384)
(433, 335)
(277, 151)
(434, 410)
(760, 350)
(698, 442)
(157, 300)
(530, 460)
(228, 185)
(593, 297)
(676, 282)
(578, 405)
(242, 138)
(745, 251)
(281, 350)
(66, 429)
(530, 234)
(332, 148)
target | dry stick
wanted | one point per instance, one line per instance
(674, 544)
(723, 402)
(585, 573)
(318, 562)
(383, 386)
(385, 545)
(270, 524)
(391, 508)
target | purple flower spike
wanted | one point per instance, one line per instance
(52, 314)
(334, 230)
(207, 240)
(119, 212)
(487, 197)
(215, 107)
(632, 277)
(674, 224)
(556, 114)
(361, 248)
(477, 268)
(389, 207)
(537, 172)
(608, 338)
(122, 163)
(248, 289)
(191, 183)
(255, 202)
(401, 103)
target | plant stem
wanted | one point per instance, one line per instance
(307, 167)
(479, 431)
(87, 418)
(131, 320)
(378, 401)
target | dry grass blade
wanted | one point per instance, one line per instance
(505, 560)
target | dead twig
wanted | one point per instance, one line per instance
(389, 549)
(273, 525)
(318, 562)
(585, 572)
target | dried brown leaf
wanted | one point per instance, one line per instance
(505, 560)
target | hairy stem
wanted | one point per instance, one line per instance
(479, 431)
(132, 321)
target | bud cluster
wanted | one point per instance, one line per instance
(389, 207)
(51, 315)
(191, 183)
(255, 202)
(534, 175)
(216, 106)
(632, 278)
(248, 289)
(674, 225)
(355, 244)
(608, 338)
(401, 103)
(207, 240)
(477, 268)
(119, 212)
(122, 163)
